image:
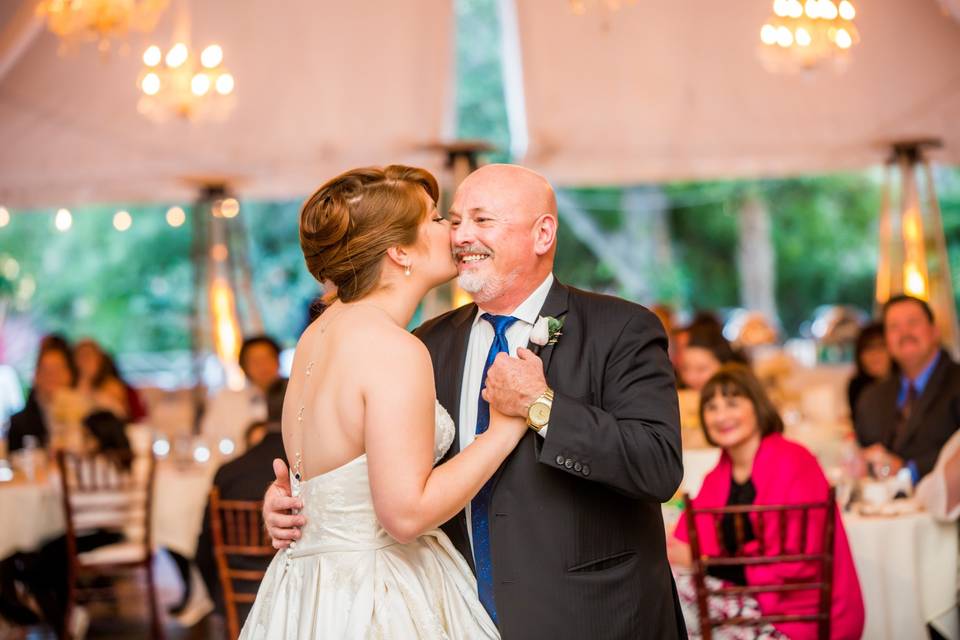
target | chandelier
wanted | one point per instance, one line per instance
(802, 35)
(183, 85)
(100, 20)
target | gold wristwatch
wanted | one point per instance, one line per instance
(538, 415)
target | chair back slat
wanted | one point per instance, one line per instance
(238, 531)
(799, 552)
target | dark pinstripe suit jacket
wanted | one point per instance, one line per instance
(576, 532)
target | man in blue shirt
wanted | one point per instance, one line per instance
(904, 420)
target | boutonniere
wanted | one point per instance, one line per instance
(546, 331)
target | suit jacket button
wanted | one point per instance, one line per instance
(577, 467)
(568, 463)
(559, 459)
(586, 470)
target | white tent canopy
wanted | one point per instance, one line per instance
(675, 90)
(320, 87)
(655, 91)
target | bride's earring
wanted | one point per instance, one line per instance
(406, 270)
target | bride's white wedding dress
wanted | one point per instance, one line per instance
(347, 578)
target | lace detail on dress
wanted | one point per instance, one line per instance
(444, 434)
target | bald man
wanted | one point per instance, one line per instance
(567, 539)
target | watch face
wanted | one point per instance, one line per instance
(539, 414)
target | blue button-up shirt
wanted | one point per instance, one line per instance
(920, 383)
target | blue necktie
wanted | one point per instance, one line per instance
(479, 506)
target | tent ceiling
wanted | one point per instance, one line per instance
(675, 90)
(321, 86)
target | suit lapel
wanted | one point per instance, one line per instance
(450, 374)
(918, 413)
(554, 306)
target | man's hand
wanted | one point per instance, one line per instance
(513, 384)
(881, 461)
(282, 526)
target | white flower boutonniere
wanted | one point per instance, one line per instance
(546, 331)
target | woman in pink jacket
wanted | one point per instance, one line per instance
(759, 466)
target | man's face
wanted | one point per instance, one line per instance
(492, 241)
(261, 365)
(911, 338)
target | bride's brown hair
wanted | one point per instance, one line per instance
(348, 224)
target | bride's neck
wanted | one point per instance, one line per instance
(399, 304)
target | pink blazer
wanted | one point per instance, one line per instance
(784, 472)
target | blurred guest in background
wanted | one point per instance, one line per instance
(939, 490)
(872, 362)
(230, 412)
(54, 373)
(759, 466)
(100, 381)
(704, 323)
(245, 478)
(705, 352)
(904, 420)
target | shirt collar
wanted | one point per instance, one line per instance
(529, 310)
(921, 382)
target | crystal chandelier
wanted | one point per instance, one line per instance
(100, 20)
(802, 35)
(184, 85)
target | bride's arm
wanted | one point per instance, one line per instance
(410, 496)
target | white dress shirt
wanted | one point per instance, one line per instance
(481, 338)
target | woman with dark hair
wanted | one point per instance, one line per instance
(705, 351)
(759, 466)
(99, 379)
(872, 361)
(55, 372)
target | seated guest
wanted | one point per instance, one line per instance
(872, 362)
(55, 372)
(905, 419)
(99, 380)
(706, 350)
(230, 412)
(244, 478)
(759, 466)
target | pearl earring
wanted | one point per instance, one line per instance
(406, 271)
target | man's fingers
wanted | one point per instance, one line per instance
(288, 526)
(283, 476)
(526, 354)
(486, 394)
(280, 544)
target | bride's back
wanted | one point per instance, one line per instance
(323, 411)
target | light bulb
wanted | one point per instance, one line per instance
(784, 37)
(803, 37)
(201, 454)
(212, 56)
(229, 208)
(812, 9)
(781, 8)
(200, 84)
(4, 217)
(177, 55)
(844, 41)
(176, 216)
(847, 12)
(122, 220)
(161, 447)
(768, 34)
(829, 10)
(152, 56)
(150, 84)
(63, 220)
(224, 84)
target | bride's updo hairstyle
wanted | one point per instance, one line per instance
(348, 224)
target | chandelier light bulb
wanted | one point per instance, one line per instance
(224, 84)
(803, 37)
(781, 8)
(829, 10)
(177, 55)
(150, 84)
(200, 84)
(152, 56)
(768, 34)
(847, 12)
(796, 9)
(122, 220)
(784, 37)
(844, 41)
(4, 217)
(212, 56)
(63, 220)
(176, 216)
(812, 9)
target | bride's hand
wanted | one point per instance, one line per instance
(511, 427)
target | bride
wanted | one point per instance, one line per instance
(363, 430)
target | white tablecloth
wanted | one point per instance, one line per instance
(31, 513)
(179, 499)
(907, 567)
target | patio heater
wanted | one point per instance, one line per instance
(913, 251)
